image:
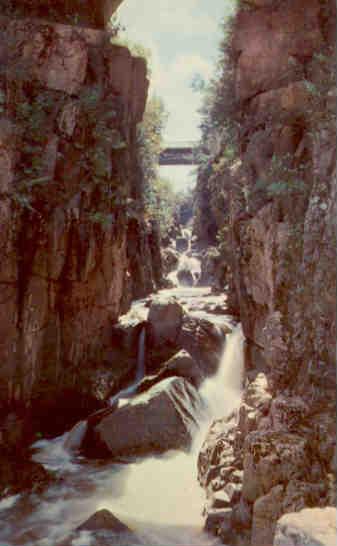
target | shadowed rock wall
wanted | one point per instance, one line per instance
(70, 188)
(281, 243)
(91, 13)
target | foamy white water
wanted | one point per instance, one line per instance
(159, 497)
(165, 490)
(186, 261)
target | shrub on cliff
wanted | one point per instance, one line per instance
(161, 203)
(159, 197)
(218, 149)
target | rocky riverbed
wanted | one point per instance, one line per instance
(136, 458)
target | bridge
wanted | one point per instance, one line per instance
(180, 152)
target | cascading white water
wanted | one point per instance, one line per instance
(186, 262)
(73, 439)
(164, 490)
(129, 391)
(141, 355)
(158, 497)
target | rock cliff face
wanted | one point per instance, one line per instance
(75, 247)
(92, 13)
(280, 237)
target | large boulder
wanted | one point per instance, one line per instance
(181, 365)
(165, 320)
(266, 512)
(272, 458)
(102, 529)
(309, 527)
(163, 418)
(203, 340)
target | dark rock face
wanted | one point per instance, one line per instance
(137, 428)
(181, 244)
(281, 236)
(103, 519)
(170, 260)
(89, 13)
(185, 277)
(214, 271)
(165, 319)
(70, 103)
(105, 530)
(180, 365)
(204, 341)
(17, 472)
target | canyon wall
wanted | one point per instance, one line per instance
(278, 194)
(75, 244)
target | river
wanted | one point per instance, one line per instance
(159, 498)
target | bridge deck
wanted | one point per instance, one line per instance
(178, 153)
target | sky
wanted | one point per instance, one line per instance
(183, 37)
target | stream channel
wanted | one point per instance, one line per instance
(159, 497)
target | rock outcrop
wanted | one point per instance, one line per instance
(75, 245)
(89, 14)
(280, 238)
(312, 526)
(163, 418)
(180, 365)
(102, 529)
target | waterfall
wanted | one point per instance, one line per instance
(140, 372)
(158, 497)
(141, 355)
(222, 392)
(187, 263)
(73, 439)
(162, 499)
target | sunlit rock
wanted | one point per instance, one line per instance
(163, 418)
(180, 365)
(309, 527)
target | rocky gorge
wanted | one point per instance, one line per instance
(180, 390)
(73, 230)
(278, 235)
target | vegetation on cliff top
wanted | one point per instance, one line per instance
(161, 202)
(225, 123)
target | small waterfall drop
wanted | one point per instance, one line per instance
(157, 497)
(165, 508)
(187, 263)
(222, 392)
(141, 355)
(73, 439)
(140, 372)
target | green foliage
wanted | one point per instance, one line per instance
(218, 112)
(161, 203)
(149, 142)
(281, 178)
